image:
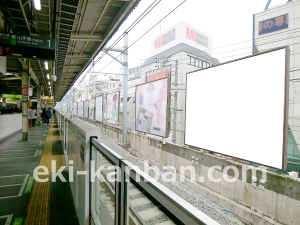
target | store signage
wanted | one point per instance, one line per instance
(178, 34)
(273, 24)
(158, 76)
(196, 37)
(27, 47)
(8, 96)
(164, 39)
(11, 96)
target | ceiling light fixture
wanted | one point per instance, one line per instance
(48, 82)
(46, 65)
(37, 4)
(48, 77)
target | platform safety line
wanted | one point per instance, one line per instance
(19, 150)
(10, 185)
(36, 153)
(21, 190)
(39, 203)
(29, 185)
(14, 175)
(18, 221)
(8, 220)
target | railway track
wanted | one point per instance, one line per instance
(141, 209)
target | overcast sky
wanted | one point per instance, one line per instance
(226, 21)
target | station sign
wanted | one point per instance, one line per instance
(11, 96)
(27, 46)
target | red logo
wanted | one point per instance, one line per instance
(158, 42)
(191, 34)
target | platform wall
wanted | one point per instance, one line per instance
(10, 123)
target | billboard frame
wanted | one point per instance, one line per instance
(118, 107)
(167, 108)
(101, 108)
(286, 102)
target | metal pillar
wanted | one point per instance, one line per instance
(175, 104)
(125, 84)
(25, 84)
(38, 106)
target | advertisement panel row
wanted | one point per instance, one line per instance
(151, 108)
(96, 109)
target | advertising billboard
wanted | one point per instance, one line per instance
(112, 108)
(80, 108)
(91, 109)
(75, 109)
(240, 108)
(98, 107)
(151, 112)
(86, 109)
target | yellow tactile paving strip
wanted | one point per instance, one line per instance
(38, 208)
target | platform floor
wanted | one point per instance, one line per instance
(24, 200)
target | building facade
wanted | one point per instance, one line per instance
(278, 27)
(178, 51)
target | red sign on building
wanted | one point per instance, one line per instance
(158, 76)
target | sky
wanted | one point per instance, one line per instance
(227, 22)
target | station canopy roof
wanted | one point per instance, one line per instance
(81, 28)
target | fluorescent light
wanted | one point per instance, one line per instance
(37, 4)
(49, 87)
(46, 65)
(48, 76)
(48, 82)
(9, 74)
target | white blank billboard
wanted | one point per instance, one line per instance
(98, 113)
(239, 109)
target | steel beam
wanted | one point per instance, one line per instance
(77, 56)
(86, 37)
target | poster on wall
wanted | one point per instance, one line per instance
(91, 109)
(151, 112)
(98, 109)
(80, 108)
(75, 109)
(86, 109)
(112, 108)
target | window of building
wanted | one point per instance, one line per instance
(189, 60)
(197, 62)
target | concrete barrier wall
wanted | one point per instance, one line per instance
(274, 200)
(10, 123)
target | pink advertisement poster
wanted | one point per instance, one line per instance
(151, 113)
(112, 108)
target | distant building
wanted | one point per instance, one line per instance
(177, 51)
(277, 27)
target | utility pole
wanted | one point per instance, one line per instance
(125, 84)
(175, 103)
(125, 79)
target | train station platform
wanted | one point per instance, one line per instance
(24, 200)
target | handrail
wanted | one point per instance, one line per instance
(174, 204)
